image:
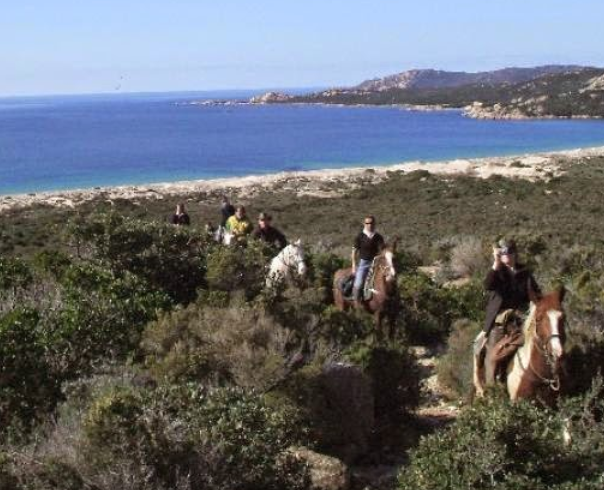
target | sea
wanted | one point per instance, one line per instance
(72, 142)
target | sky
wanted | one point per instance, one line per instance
(106, 46)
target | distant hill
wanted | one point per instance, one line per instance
(446, 79)
(511, 93)
(577, 95)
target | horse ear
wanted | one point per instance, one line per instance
(561, 293)
(298, 242)
(532, 294)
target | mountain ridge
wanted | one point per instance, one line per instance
(432, 78)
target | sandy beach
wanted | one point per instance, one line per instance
(324, 183)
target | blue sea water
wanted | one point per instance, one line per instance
(52, 143)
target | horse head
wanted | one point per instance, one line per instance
(298, 257)
(549, 325)
(386, 262)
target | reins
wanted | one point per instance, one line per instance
(554, 382)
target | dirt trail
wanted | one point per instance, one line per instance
(434, 413)
(435, 409)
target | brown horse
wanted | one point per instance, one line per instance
(382, 303)
(535, 371)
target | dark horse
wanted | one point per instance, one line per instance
(535, 370)
(383, 299)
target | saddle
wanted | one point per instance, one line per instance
(346, 285)
(513, 338)
(506, 347)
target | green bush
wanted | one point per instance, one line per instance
(238, 268)
(429, 309)
(498, 444)
(101, 318)
(219, 439)
(455, 367)
(239, 344)
(170, 259)
(27, 387)
(394, 375)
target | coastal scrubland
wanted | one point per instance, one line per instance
(134, 354)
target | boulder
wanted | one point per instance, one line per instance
(326, 472)
(349, 395)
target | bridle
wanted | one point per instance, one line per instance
(385, 269)
(297, 258)
(552, 383)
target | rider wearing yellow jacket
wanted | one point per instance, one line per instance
(239, 225)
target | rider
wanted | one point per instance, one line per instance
(268, 233)
(180, 216)
(508, 284)
(367, 245)
(239, 225)
(226, 210)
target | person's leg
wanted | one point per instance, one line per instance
(495, 335)
(359, 279)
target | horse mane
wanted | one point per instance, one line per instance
(529, 328)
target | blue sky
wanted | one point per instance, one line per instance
(91, 46)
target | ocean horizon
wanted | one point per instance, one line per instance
(56, 143)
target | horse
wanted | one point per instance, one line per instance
(382, 303)
(535, 370)
(286, 264)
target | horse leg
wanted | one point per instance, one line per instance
(478, 370)
(379, 334)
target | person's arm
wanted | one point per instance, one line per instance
(491, 281)
(281, 240)
(355, 253)
(228, 226)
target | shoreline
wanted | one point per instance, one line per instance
(320, 183)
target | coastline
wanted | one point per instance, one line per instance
(321, 183)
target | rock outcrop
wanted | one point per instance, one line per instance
(271, 98)
(351, 398)
(326, 472)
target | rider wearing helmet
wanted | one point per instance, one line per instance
(508, 284)
(367, 245)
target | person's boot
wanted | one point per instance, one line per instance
(490, 369)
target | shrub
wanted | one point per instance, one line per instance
(170, 259)
(394, 375)
(27, 387)
(429, 309)
(455, 367)
(238, 268)
(236, 343)
(219, 439)
(101, 318)
(468, 257)
(498, 444)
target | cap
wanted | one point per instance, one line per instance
(507, 246)
(264, 216)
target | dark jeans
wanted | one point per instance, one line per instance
(495, 335)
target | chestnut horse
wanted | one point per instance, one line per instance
(535, 370)
(383, 298)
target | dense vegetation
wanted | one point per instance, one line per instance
(134, 354)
